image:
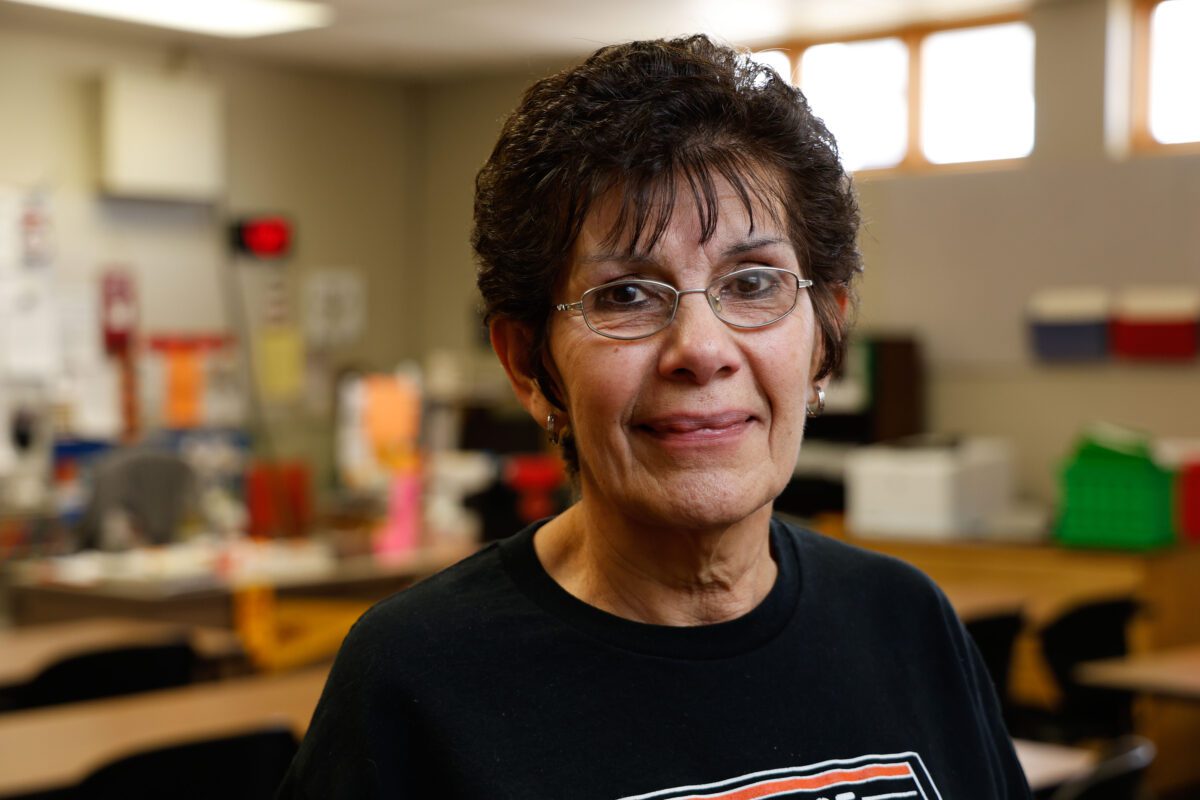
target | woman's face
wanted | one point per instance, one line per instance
(700, 424)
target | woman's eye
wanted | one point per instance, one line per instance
(622, 294)
(753, 282)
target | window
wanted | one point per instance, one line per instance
(860, 90)
(925, 96)
(1172, 114)
(977, 94)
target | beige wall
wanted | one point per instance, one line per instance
(462, 119)
(951, 256)
(338, 154)
(335, 153)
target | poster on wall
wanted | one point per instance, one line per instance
(29, 329)
(335, 308)
(280, 363)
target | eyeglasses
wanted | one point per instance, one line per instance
(635, 309)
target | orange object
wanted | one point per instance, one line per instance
(185, 388)
(392, 413)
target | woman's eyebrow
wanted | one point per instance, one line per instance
(622, 257)
(753, 244)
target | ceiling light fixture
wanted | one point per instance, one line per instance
(229, 18)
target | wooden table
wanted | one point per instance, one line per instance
(1049, 765)
(209, 601)
(57, 747)
(24, 652)
(973, 601)
(1173, 672)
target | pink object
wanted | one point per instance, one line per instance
(401, 532)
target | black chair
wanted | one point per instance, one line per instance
(109, 673)
(246, 766)
(994, 637)
(1088, 632)
(1118, 776)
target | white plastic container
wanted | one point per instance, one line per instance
(928, 491)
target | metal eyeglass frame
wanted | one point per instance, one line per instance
(801, 283)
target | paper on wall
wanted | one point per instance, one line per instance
(335, 307)
(29, 333)
(92, 397)
(78, 308)
(224, 401)
(10, 230)
(280, 364)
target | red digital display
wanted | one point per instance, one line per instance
(263, 237)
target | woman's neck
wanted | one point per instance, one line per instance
(658, 575)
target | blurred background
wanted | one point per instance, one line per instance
(245, 390)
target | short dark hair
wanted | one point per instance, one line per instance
(646, 120)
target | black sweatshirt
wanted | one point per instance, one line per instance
(852, 680)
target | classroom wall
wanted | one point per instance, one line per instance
(336, 153)
(955, 256)
(951, 256)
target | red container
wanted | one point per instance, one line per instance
(278, 499)
(535, 478)
(1188, 494)
(1154, 340)
(1156, 323)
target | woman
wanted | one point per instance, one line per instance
(667, 244)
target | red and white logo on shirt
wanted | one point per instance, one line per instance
(899, 776)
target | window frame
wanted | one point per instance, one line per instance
(1141, 140)
(914, 161)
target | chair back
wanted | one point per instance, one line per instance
(110, 673)
(246, 766)
(994, 636)
(151, 490)
(1118, 776)
(1086, 633)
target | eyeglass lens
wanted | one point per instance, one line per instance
(748, 298)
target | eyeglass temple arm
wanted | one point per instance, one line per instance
(576, 306)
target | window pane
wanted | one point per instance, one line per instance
(860, 89)
(977, 93)
(1174, 70)
(776, 60)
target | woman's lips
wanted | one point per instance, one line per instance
(697, 427)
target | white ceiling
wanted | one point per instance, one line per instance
(426, 38)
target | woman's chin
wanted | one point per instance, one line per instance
(703, 500)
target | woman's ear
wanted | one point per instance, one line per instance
(840, 308)
(842, 295)
(513, 343)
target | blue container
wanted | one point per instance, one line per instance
(1070, 341)
(1070, 324)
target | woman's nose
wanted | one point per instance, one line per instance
(697, 346)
